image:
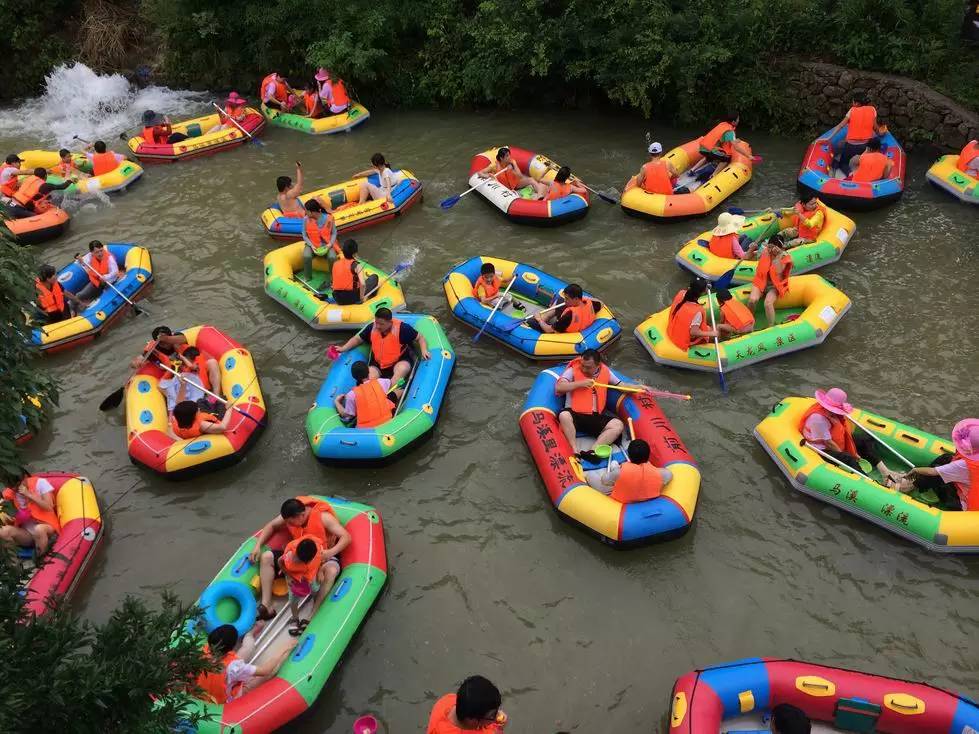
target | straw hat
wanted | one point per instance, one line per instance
(728, 223)
(834, 400)
(965, 435)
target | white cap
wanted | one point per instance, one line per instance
(655, 148)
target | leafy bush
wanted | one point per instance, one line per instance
(36, 37)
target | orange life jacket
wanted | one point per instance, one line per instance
(344, 278)
(969, 153)
(969, 495)
(681, 319)
(558, 191)
(314, 521)
(320, 233)
(489, 289)
(387, 349)
(710, 140)
(871, 167)
(766, 272)
(99, 266)
(637, 482)
(200, 369)
(50, 300)
(235, 112)
(736, 314)
(29, 198)
(215, 685)
(860, 128)
(103, 163)
(312, 102)
(581, 398)
(281, 90)
(723, 245)
(39, 514)
(582, 316)
(508, 178)
(11, 184)
(157, 134)
(340, 97)
(373, 406)
(802, 214)
(195, 430)
(840, 430)
(297, 569)
(656, 178)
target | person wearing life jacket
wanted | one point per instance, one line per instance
(165, 346)
(319, 234)
(861, 127)
(235, 675)
(771, 279)
(101, 267)
(506, 172)
(726, 242)
(10, 175)
(332, 91)
(561, 186)
(157, 130)
(188, 421)
(717, 146)
(33, 195)
(475, 707)
(275, 93)
(806, 221)
(54, 303)
(735, 318)
(871, 165)
(306, 575)
(656, 176)
(968, 161)
(288, 196)
(66, 167)
(36, 521)
(387, 179)
(348, 283)
(390, 340)
(371, 402)
(193, 380)
(489, 286)
(574, 316)
(312, 102)
(688, 323)
(825, 427)
(298, 516)
(637, 480)
(586, 403)
(951, 476)
(235, 111)
(103, 160)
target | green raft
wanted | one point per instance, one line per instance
(355, 115)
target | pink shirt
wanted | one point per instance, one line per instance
(350, 403)
(817, 430)
(956, 472)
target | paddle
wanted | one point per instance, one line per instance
(499, 302)
(113, 400)
(453, 200)
(725, 280)
(601, 195)
(717, 345)
(75, 137)
(510, 327)
(834, 460)
(232, 120)
(136, 309)
(637, 389)
(203, 389)
(882, 442)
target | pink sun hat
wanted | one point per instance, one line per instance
(965, 435)
(834, 400)
(322, 74)
(235, 99)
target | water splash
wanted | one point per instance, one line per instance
(77, 101)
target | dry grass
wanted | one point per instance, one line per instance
(108, 33)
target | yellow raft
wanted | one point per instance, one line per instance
(804, 317)
(117, 179)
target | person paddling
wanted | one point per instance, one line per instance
(319, 234)
(576, 315)
(806, 221)
(561, 186)
(235, 111)
(32, 197)
(687, 324)
(507, 173)
(951, 476)
(157, 130)
(349, 284)
(390, 340)
(102, 159)
(371, 402)
(726, 242)
(771, 277)
(871, 165)
(638, 479)
(657, 175)
(168, 346)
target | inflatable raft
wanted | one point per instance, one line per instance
(534, 290)
(348, 213)
(817, 177)
(199, 141)
(828, 247)
(804, 317)
(102, 313)
(118, 179)
(147, 423)
(739, 697)
(333, 441)
(945, 174)
(231, 598)
(617, 524)
(67, 559)
(906, 515)
(517, 206)
(702, 197)
(284, 283)
(343, 122)
(37, 229)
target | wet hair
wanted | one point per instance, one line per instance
(723, 295)
(349, 248)
(222, 639)
(592, 355)
(573, 290)
(99, 146)
(13, 158)
(360, 371)
(383, 313)
(378, 160)
(291, 508)
(476, 699)
(697, 288)
(860, 98)
(873, 144)
(184, 413)
(306, 550)
(314, 206)
(638, 451)
(563, 174)
(502, 153)
(789, 719)
(94, 244)
(41, 172)
(487, 269)
(46, 271)
(63, 152)
(282, 183)
(160, 331)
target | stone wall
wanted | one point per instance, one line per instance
(913, 111)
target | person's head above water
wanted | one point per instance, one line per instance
(723, 295)
(788, 719)
(477, 702)
(64, 154)
(377, 160)
(638, 451)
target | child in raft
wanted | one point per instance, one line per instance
(66, 167)
(372, 401)
(771, 277)
(350, 285)
(637, 480)
(488, 287)
(189, 421)
(474, 707)
(302, 565)
(34, 522)
(560, 187)
(736, 318)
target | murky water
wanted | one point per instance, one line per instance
(485, 577)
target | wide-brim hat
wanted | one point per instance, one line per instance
(834, 400)
(322, 75)
(728, 223)
(965, 436)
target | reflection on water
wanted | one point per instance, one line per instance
(485, 577)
